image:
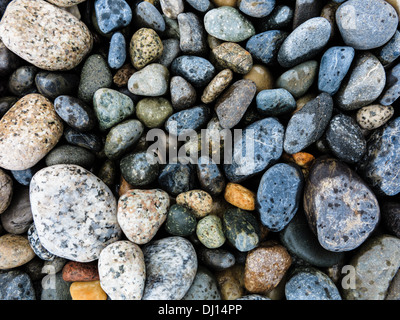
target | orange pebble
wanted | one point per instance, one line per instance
(124, 186)
(303, 159)
(240, 196)
(90, 290)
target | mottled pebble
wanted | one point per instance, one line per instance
(217, 85)
(185, 121)
(176, 178)
(15, 251)
(16, 285)
(209, 232)
(210, 176)
(145, 47)
(230, 55)
(192, 38)
(77, 271)
(139, 168)
(112, 15)
(180, 221)
(22, 81)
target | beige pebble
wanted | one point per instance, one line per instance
(374, 116)
(6, 190)
(261, 76)
(15, 251)
(217, 85)
(199, 201)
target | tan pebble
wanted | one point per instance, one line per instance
(232, 56)
(231, 282)
(6, 190)
(374, 116)
(123, 74)
(198, 201)
(218, 84)
(240, 196)
(222, 3)
(145, 47)
(88, 290)
(261, 76)
(15, 251)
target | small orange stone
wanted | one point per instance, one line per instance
(124, 186)
(240, 196)
(90, 290)
(303, 159)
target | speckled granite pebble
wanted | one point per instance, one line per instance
(217, 85)
(180, 221)
(198, 201)
(145, 47)
(16, 285)
(209, 232)
(6, 190)
(230, 55)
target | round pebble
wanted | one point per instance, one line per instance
(209, 232)
(15, 251)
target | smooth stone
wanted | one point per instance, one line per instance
(180, 221)
(192, 34)
(16, 285)
(22, 146)
(55, 288)
(381, 159)
(233, 103)
(87, 290)
(305, 42)
(198, 201)
(77, 271)
(18, 217)
(334, 66)
(53, 84)
(122, 138)
(209, 232)
(265, 46)
(259, 276)
(275, 102)
(298, 79)
(6, 103)
(257, 9)
(87, 140)
(389, 52)
(122, 271)
(305, 10)
(95, 75)
(240, 197)
(345, 139)
(22, 81)
(117, 51)
(145, 47)
(75, 113)
(28, 29)
(111, 107)
(146, 15)
(67, 154)
(9, 61)
(241, 229)
(308, 124)
(112, 15)
(390, 212)
(171, 51)
(6, 190)
(374, 116)
(153, 112)
(359, 19)
(204, 286)
(184, 122)
(267, 148)
(365, 83)
(390, 92)
(171, 266)
(176, 178)
(279, 194)
(261, 76)
(151, 81)
(37, 246)
(15, 251)
(301, 242)
(183, 94)
(216, 259)
(139, 168)
(200, 5)
(196, 70)
(81, 234)
(230, 55)
(280, 18)
(307, 283)
(172, 8)
(216, 86)
(228, 24)
(340, 207)
(376, 263)
(209, 175)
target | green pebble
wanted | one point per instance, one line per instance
(210, 233)
(180, 221)
(153, 112)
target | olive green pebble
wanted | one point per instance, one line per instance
(210, 233)
(153, 112)
(180, 221)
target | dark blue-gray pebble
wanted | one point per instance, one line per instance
(275, 102)
(146, 15)
(390, 51)
(16, 285)
(183, 122)
(88, 140)
(112, 15)
(265, 46)
(176, 178)
(24, 177)
(210, 176)
(52, 84)
(22, 81)
(391, 92)
(257, 9)
(117, 51)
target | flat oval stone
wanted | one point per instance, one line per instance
(67, 154)
(335, 63)
(217, 85)
(151, 81)
(145, 47)
(53, 84)
(210, 176)
(122, 271)
(265, 139)
(37, 246)
(381, 159)
(139, 168)
(185, 121)
(117, 51)
(279, 195)
(391, 93)
(364, 84)
(146, 15)
(81, 234)
(21, 146)
(183, 94)
(233, 103)
(374, 116)
(308, 124)
(376, 263)
(112, 15)
(141, 213)
(176, 178)
(257, 9)
(230, 55)
(16, 285)
(275, 102)
(15, 251)
(341, 209)
(6, 190)
(153, 112)
(28, 29)
(22, 81)
(204, 286)
(228, 24)
(358, 20)
(180, 221)
(75, 113)
(171, 266)
(307, 283)
(192, 38)
(305, 42)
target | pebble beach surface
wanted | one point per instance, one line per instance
(301, 96)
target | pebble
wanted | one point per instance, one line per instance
(171, 266)
(172, 8)
(280, 18)
(117, 51)
(358, 20)
(55, 288)
(389, 52)
(381, 158)
(145, 47)
(307, 283)
(180, 221)
(21, 146)
(391, 90)
(231, 282)
(198, 201)
(265, 267)
(123, 74)
(111, 107)
(30, 35)
(340, 207)
(228, 24)
(275, 102)
(305, 10)
(334, 66)
(230, 55)
(257, 9)
(209, 232)
(122, 271)
(54, 84)
(279, 194)
(67, 154)
(112, 15)
(216, 259)
(81, 234)
(6, 190)
(376, 263)
(240, 197)
(141, 213)
(183, 94)
(200, 5)
(88, 290)
(184, 122)
(210, 177)
(391, 217)
(139, 168)
(22, 81)
(217, 85)
(204, 286)
(261, 76)
(9, 60)
(88, 140)
(176, 178)
(15, 251)
(146, 15)
(78, 272)
(151, 81)
(367, 76)
(192, 34)
(16, 285)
